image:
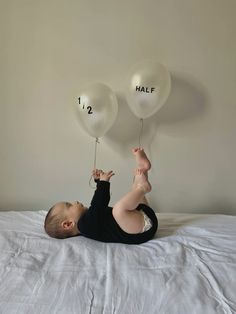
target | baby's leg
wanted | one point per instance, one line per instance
(143, 163)
(144, 199)
(141, 186)
(129, 219)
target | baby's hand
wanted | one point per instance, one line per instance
(96, 174)
(105, 176)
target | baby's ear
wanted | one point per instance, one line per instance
(67, 224)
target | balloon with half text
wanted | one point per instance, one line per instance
(148, 88)
(97, 109)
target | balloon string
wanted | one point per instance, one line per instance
(95, 153)
(140, 133)
(94, 163)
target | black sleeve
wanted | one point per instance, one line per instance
(101, 197)
(90, 223)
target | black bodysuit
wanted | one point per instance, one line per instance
(99, 224)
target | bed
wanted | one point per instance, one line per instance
(189, 267)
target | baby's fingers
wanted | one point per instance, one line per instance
(96, 173)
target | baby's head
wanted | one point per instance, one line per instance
(61, 219)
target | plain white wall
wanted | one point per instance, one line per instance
(50, 48)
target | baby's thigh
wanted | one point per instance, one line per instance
(131, 221)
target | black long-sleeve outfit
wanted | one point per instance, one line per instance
(99, 224)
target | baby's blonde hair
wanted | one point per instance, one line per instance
(53, 227)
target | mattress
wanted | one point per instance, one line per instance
(189, 267)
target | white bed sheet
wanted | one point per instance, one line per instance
(189, 267)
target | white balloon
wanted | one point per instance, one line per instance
(97, 109)
(148, 88)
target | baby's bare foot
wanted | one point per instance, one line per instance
(141, 158)
(140, 181)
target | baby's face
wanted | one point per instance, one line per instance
(72, 210)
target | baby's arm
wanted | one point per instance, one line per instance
(101, 196)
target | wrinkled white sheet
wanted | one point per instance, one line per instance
(189, 267)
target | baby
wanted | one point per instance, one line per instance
(130, 221)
